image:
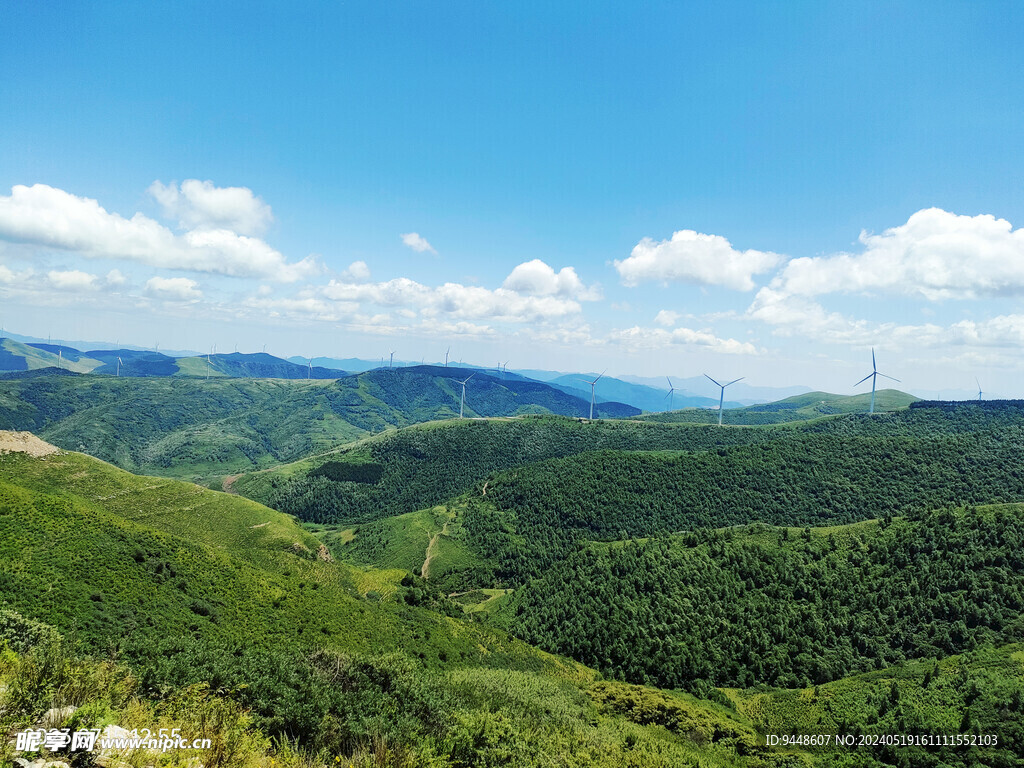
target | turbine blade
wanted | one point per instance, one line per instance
(873, 366)
(599, 377)
(710, 379)
(741, 378)
(888, 377)
(669, 382)
(864, 379)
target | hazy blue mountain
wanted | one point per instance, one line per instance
(640, 396)
(741, 393)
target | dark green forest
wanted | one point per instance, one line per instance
(781, 606)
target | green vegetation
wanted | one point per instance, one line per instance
(429, 464)
(782, 607)
(227, 617)
(197, 428)
(976, 694)
(810, 405)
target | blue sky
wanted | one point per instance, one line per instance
(842, 176)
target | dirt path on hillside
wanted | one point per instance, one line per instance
(24, 442)
(227, 483)
(432, 547)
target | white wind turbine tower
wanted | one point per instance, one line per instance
(874, 379)
(446, 356)
(671, 391)
(309, 370)
(592, 396)
(462, 404)
(60, 358)
(979, 388)
(391, 362)
(119, 364)
(721, 396)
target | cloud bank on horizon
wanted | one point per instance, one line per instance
(208, 254)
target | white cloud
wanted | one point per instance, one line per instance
(173, 289)
(800, 316)
(71, 280)
(692, 257)
(357, 272)
(417, 242)
(936, 254)
(10, 277)
(201, 205)
(667, 317)
(115, 278)
(47, 217)
(660, 338)
(535, 278)
(454, 299)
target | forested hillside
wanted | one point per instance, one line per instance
(783, 606)
(811, 405)
(215, 607)
(197, 428)
(420, 466)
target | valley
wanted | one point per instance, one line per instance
(641, 591)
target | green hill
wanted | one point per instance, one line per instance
(188, 586)
(810, 405)
(800, 607)
(423, 465)
(15, 356)
(186, 426)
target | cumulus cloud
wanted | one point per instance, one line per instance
(454, 300)
(692, 257)
(661, 338)
(535, 278)
(936, 255)
(114, 278)
(801, 316)
(417, 242)
(667, 317)
(201, 205)
(72, 280)
(47, 217)
(173, 289)
(357, 272)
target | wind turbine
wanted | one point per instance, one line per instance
(60, 358)
(874, 379)
(979, 388)
(119, 367)
(721, 397)
(391, 362)
(462, 405)
(592, 383)
(446, 356)
(671, 390)
(309, 370)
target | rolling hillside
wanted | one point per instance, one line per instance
(424, 465)
(811, 405)
(188, 587)
(197, 428)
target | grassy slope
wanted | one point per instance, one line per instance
(97, 550)
(105, 555)
(188, 426)
(41, 358)
(810, 405)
